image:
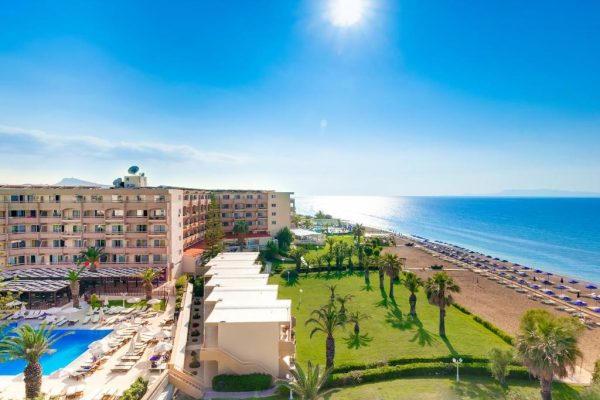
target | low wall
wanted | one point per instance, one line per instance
(181, 330)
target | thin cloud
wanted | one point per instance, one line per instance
(102, 148)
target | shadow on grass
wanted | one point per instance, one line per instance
(384, 299)
(356, 341)
(422, 336)
(367, 287)
(290, 281)
(449, 345)
(397, 320)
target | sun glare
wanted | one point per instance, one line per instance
(344, 13)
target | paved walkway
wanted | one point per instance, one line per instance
(209, 394)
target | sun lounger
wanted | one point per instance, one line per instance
(130, 358)
(56, 393)
(86, 320)
(158, 368)
(95, 319)
(74, 391)
(62, 322)
(119, 368)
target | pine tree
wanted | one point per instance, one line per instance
(214, 228)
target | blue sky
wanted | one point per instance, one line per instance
(417, 98)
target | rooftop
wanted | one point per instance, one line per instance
(278, 311)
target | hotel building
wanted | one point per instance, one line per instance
(138, 225)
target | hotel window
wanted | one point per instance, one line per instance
(17, 213)
(273, 222)
(248, 205)
(77, 229)
(56, 259)
(100, 243)
(159, 198)
(17, 198)
(237, 197)
(96, 198)
(117, 229)
(117, 198)
(55, 198)
(76, 214)
(17, 244)
(249, 223)
(141, 228)
(58, 228)
(225, 223)
(159, 243)
(17, 229)
(99, 228)
(273, 213)
(118, 258)
(141, 243)
(273, 205)
(117, 243)
(56, 213)
(141, 258)
(248, 215)
(225, 197)
(117, 213)
(159, 258)
(273, 196)
(16, 260)
(58, 243)
(160, 228)
(36, 243)
(79, 199)
(249, 197)
(78, 243)
(32, 259)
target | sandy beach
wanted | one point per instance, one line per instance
(498, 303)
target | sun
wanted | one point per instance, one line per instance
(345, 13)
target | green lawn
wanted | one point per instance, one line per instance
(158, 307)
(447, 389)
(313, 251)
(391, 332)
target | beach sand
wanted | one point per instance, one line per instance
(496, 303)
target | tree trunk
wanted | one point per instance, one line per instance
(367, 278)
(298, 263)
(391, 287)
(442, 321)
(412, 300)
(381, 279)
(546, 391)
(356, 328)
(149, 289)
(329, 351)
(75, 293)
(33, 380)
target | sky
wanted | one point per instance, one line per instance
(408, 98)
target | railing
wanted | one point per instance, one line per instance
(238, 365)
(189, 384)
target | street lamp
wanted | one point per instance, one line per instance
(123, 295)
(289, 377)
(457, 362)
(288, 276)
(299, 300)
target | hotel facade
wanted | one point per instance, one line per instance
(138, 225)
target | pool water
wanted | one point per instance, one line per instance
(67, 349)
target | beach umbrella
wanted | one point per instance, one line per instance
(526, 268)
(579, 303)
(153, 301)
(134, 300)
(591, 287)
(523, 274)
(547, 282)
(163, 347)
(535, 286)
(538, 271)
(14, 303)
(548, 291)
(53, 310)
(596, 309)
(573, 281)
(560, 287)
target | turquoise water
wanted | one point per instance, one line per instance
(560, 235)
(68, 349)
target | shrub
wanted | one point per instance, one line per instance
(196, 316)
(137, 390)
(195, 333)
(416, 369)
(95, 301)
(437, 267)
(499, 363)
(462, 309)
(242, 383)
(596, 374)
(195, 363)
(403, 361)
(181, 282)
(293, 274)
(494, 329)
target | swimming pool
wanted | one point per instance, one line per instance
(67, 349)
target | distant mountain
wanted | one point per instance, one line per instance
(544, 193)
(77, 182)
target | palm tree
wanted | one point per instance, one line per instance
(73, 278)
(30, 344)
(330, 242)
(343, 300)
(332, 291)
(240, 229)
(547, 345)
(327, 320)
(91, 257)
(296, 254)
(349, 253)
(369, 262)
(307, 385)
(328, 259)
(381, 271)
(358, 231)
(148, 276)
(355, 319)
(412, 282)
(392, 266)
(438, 289)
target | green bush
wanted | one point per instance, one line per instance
(488, 325)
(462, 309)
(293, 274)
(181, 282)
(198, 287)
(596, 374)
(95, 301)
(403, 361)
(417, 369)
(242, 383)
(137, 390)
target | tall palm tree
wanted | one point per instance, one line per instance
(547, 345)
(412, 282)
(327, 320)
(350, 249)
(439, 288)
(381, 272)
(392, 265)
(342, 300)
(240, 229)
(358, 231)
(370, 261)
(73, 278)
(296, 254)
(308, 385)
(328, 259)
(91, 257)
(148, 276)
(332, 289)
(30, 344)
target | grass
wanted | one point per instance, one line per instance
(158, 307)
(314, 251)
(447, 389)
(391, 331)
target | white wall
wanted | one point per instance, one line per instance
(282, 209)
(254, 342)
(176, 232)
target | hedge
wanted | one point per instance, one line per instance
(242, 383)
(137, 390)
(488, 325)
(402, 361)
(417, 369)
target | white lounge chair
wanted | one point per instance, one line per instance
(95, 318)
(86, 319)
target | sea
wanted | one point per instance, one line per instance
(560, 235)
